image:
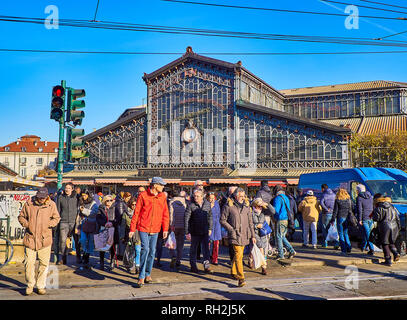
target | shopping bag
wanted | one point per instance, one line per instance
(104, 239)
(265, 230)
(171, 242)
(332, 234)
(258, 257)
(129, 255)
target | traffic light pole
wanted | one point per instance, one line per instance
(61, 146)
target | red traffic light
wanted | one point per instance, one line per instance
(58, 91)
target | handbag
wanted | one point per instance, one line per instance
(265, 230)
(89, 226)
(352, 219)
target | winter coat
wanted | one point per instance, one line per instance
(281, 203)
(38, 221)
(177, 207)
(265, 194)
(151, 213)
(89, 212)
(68, 207)
(310, 209)
(198, 219)
(293, 206)
(120, 205)
(112, 217)
(388, 221)
(261, 241)
(364, 206)
(216, 231)
(342, 208)
(125, 227)
(328, 201)
(237, 219)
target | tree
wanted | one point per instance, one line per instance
(380, 149)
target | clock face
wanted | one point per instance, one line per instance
(189, 135)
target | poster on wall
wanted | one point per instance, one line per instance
(11, 203)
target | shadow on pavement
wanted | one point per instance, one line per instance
(21, 286)
(237, 295)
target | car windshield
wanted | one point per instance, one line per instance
(396, 190)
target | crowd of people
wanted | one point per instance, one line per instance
(144, 220)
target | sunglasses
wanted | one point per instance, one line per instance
(109, 200)
(133, 204)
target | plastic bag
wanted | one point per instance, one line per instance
(129, 255)
(171, 243)
(104, 239)
(258, 257)
(332, 234)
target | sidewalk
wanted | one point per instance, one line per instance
(304, 258)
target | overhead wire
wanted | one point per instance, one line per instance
(280, 10)
(362, 6)
(384, 4)
(204, 32)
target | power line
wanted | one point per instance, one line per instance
(392, 35)
(281, 10)
(205, 32)
(202, 53)
(97, 7)
(384, 4)
(368, 7)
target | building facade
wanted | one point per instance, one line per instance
(28, 155)
(212, 120)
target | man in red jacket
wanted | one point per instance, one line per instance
(151, 214)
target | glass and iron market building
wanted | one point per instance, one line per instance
(216, 121)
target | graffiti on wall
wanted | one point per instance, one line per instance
(11, 203)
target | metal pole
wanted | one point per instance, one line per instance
(61, 144)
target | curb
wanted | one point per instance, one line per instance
(344, 262)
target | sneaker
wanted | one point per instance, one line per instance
(194, 270)
(148, 280)
(396, 258)
(234, 276)
(28, 291)
(241, 283)
(314, 246)
(42, 291)
(172, 263)
(209, 270)
(371, 253)
(291, 254)
(264, 271)
(336, 247)
(139, 284)
(305, 246)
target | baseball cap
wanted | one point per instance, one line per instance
(158, 180)
(310, 193)
(42, 193)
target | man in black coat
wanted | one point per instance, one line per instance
(67, 205)
(198, 228)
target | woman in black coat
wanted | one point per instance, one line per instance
(107, 217)
(388, 224)
(342, 209)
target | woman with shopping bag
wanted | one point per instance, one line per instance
(107, 218)
(260, 233)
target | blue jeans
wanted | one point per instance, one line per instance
(367, 228)
(281, 231)
(137, 256)
(325, 219)
(342, 226)
(148, 245)
(87, 243)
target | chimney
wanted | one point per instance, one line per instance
(18, 141)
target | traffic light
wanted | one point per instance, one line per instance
(74, 144)
(73, 114)
(57, 103)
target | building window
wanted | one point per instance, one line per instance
(39, 161)
(6, 161)
(7, 149)
(23, 149)
(23, 172)
(40, 149)
(56, 150)
(23, 161)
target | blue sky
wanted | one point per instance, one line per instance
(113, 82)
